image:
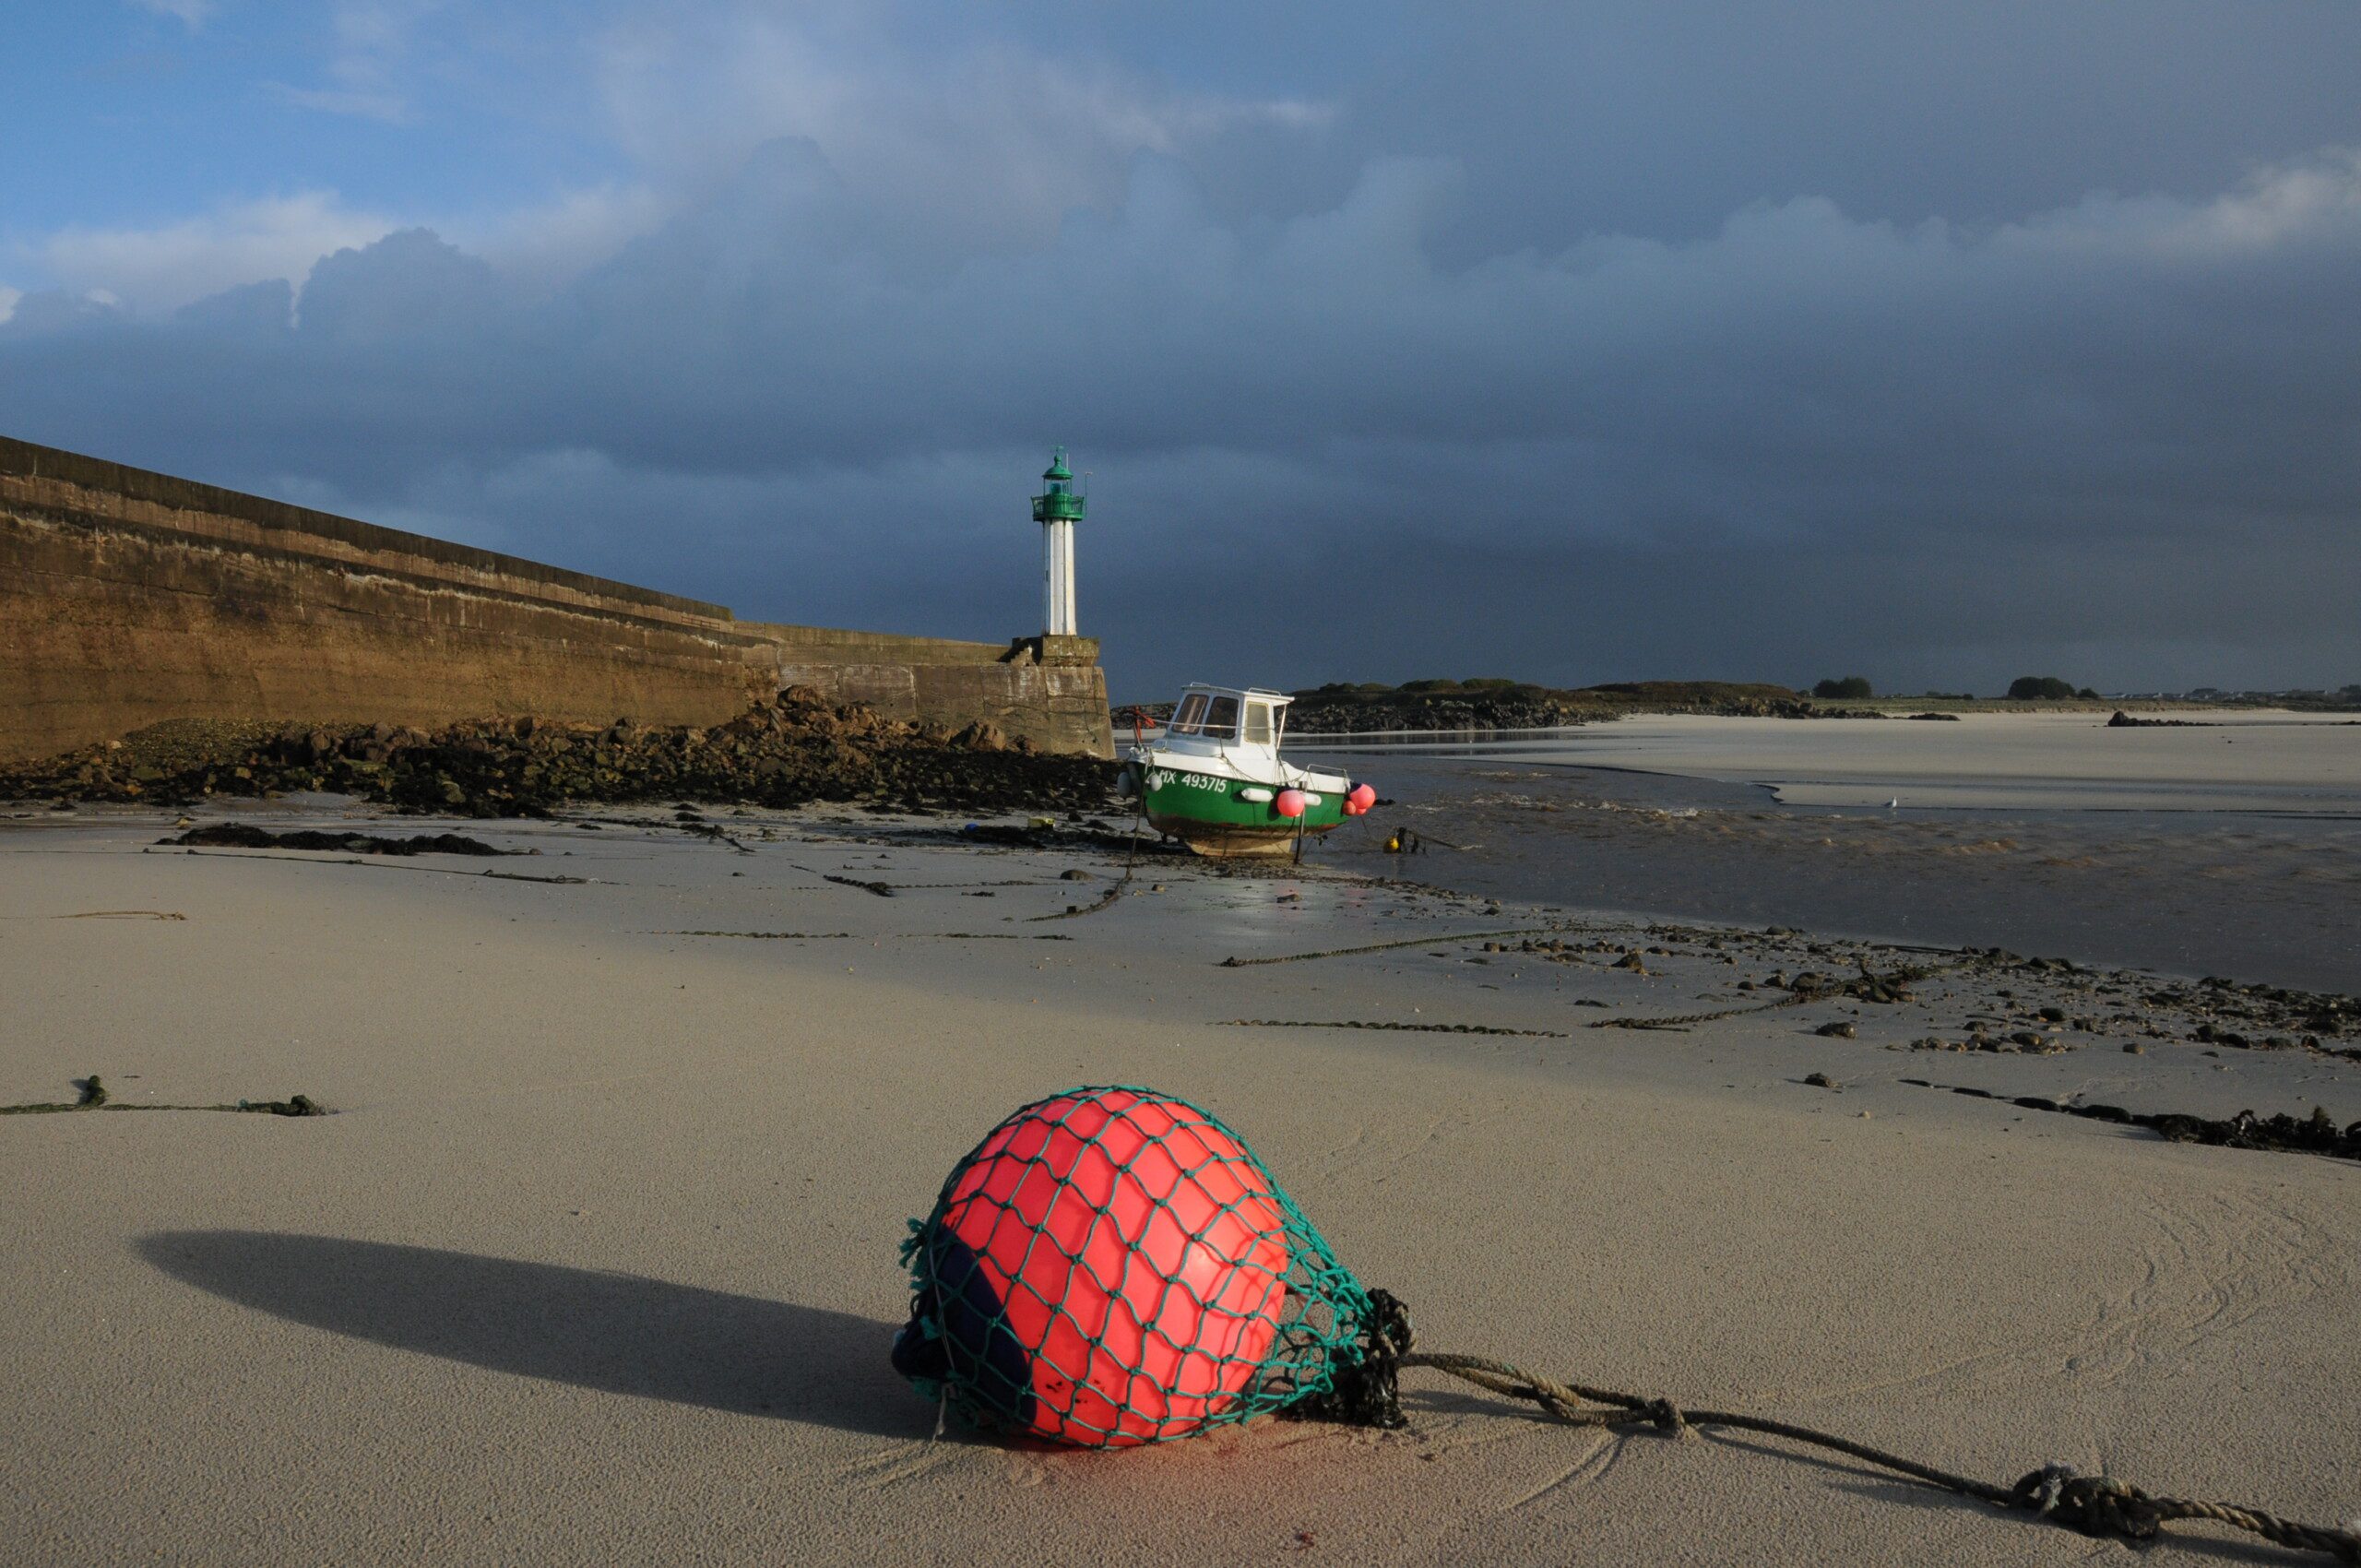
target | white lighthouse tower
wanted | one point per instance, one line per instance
(1057, 509)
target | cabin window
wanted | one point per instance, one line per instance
(1190, 714)
(1221, 719)
(1258, 723)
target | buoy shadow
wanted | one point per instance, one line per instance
(617, 1332)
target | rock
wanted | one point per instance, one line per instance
(1838, 1031)
(982, 736)
(774, 755)
(1630, 961)
(1821, 1081)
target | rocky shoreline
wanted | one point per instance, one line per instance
(794, 751)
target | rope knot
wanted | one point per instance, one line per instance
(2096, 1505)
(1364, 1383)
(1667, 1417)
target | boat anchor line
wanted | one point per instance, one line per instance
(1683, 1020)
(873, 936)
(1868, 985)
(883, 889)
(1115, 890)
(1391, 1024)
(1234, 962)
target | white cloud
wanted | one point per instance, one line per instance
(389, 107)
(552, 242)
(193, 13)
(983, 148)
(373, 46)
(1801, 436)
(159, 268)
(8, 298)
(989, 146)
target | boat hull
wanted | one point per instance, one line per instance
(1211, 812)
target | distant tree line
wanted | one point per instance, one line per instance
(2024, 688)
(1844, 688)
(2046, 688)
(1439, 686)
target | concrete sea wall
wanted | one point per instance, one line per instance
(128, 596)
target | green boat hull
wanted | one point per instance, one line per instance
(1209, 812)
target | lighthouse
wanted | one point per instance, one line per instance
(1057, 509)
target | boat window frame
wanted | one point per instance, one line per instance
(1183, 721)
(1258, 714)
(1213, 729)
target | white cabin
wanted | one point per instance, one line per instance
(1242, 725)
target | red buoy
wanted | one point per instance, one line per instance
(1290, 804)
(1109, 1268)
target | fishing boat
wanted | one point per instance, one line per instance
(1214, 781)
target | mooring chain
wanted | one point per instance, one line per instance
(1131, 858)
(2096, 1505)
(1685, 1019)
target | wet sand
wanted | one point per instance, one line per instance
(2253, 868)
(2211, 760)
(596, 1260)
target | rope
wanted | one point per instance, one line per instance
(2096, 1505)
(1131, 858)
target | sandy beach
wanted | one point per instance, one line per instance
(595, 1259)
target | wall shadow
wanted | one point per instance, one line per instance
(617, 1332)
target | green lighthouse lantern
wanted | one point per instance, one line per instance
(1057, 509)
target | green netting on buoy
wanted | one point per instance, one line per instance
(1113, 1266)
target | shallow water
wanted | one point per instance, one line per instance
(2220, 760)
(2267, 896)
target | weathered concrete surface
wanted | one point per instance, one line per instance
(1049, 689)
(128, 596)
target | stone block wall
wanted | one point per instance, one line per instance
(128, 596)
(1054, 695)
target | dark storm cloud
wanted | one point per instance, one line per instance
(2121, 438)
